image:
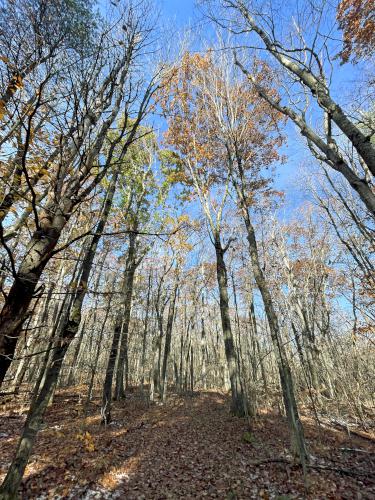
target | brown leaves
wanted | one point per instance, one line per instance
(356, 19)
(190, 448)
(87, 441)
(215, 117)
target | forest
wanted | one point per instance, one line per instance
(187, 268)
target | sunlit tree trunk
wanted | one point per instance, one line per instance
(123, 362)
(167, 344)
(297, 433)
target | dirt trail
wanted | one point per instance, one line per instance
(190, 448)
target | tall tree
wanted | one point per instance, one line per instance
(191, 134)
(240, 143)
(308, 67)
(68, 330)
(95, 104)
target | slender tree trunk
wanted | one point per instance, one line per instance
(167, 345)
(60, 316)
(154, 367)
(107, 387)
(298, 443)
(182, 346)
(23, 352)
(203, 347)
(248, 392)
(122, 364)
(52, 310)
(257, 351)
(295, 424)
(187, 365)
(192, 370)
(157, 372)
(98, 348)
(72, 368)
(238, 402)
(73, 364)
(176, 375)
(34, 420)
(145, 329)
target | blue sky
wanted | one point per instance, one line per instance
(181, 10)
(288, 177)
(183, 13)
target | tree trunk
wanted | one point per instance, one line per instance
(22, 291)
(295, 425)
(33, 423)
(167, 345)
(238, 402)
(298, 443)
(68, 331)
(144, 338)
(107, 387)
(191, 370)
(122, 363)
(203, 347)
(97, 352)
(154, 367)
(70, 377)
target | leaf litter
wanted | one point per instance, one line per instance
(191, 447)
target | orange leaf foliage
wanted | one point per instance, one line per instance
(210, 113)
(357, 20)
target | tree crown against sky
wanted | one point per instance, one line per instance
(151, 239)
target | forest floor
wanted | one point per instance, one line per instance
(189, 448)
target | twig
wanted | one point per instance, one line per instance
(357, 450)
(347, 472)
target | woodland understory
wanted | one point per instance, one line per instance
(187, 304)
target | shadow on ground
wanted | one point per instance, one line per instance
(190, 448)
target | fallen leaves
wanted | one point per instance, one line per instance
(188, 448)
(87, 440)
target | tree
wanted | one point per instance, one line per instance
(32, 35)
(308, 68)
(240, 142)
(68, 330)
(193, 135)
(95, 104)
(357, 20)
(139, 200)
